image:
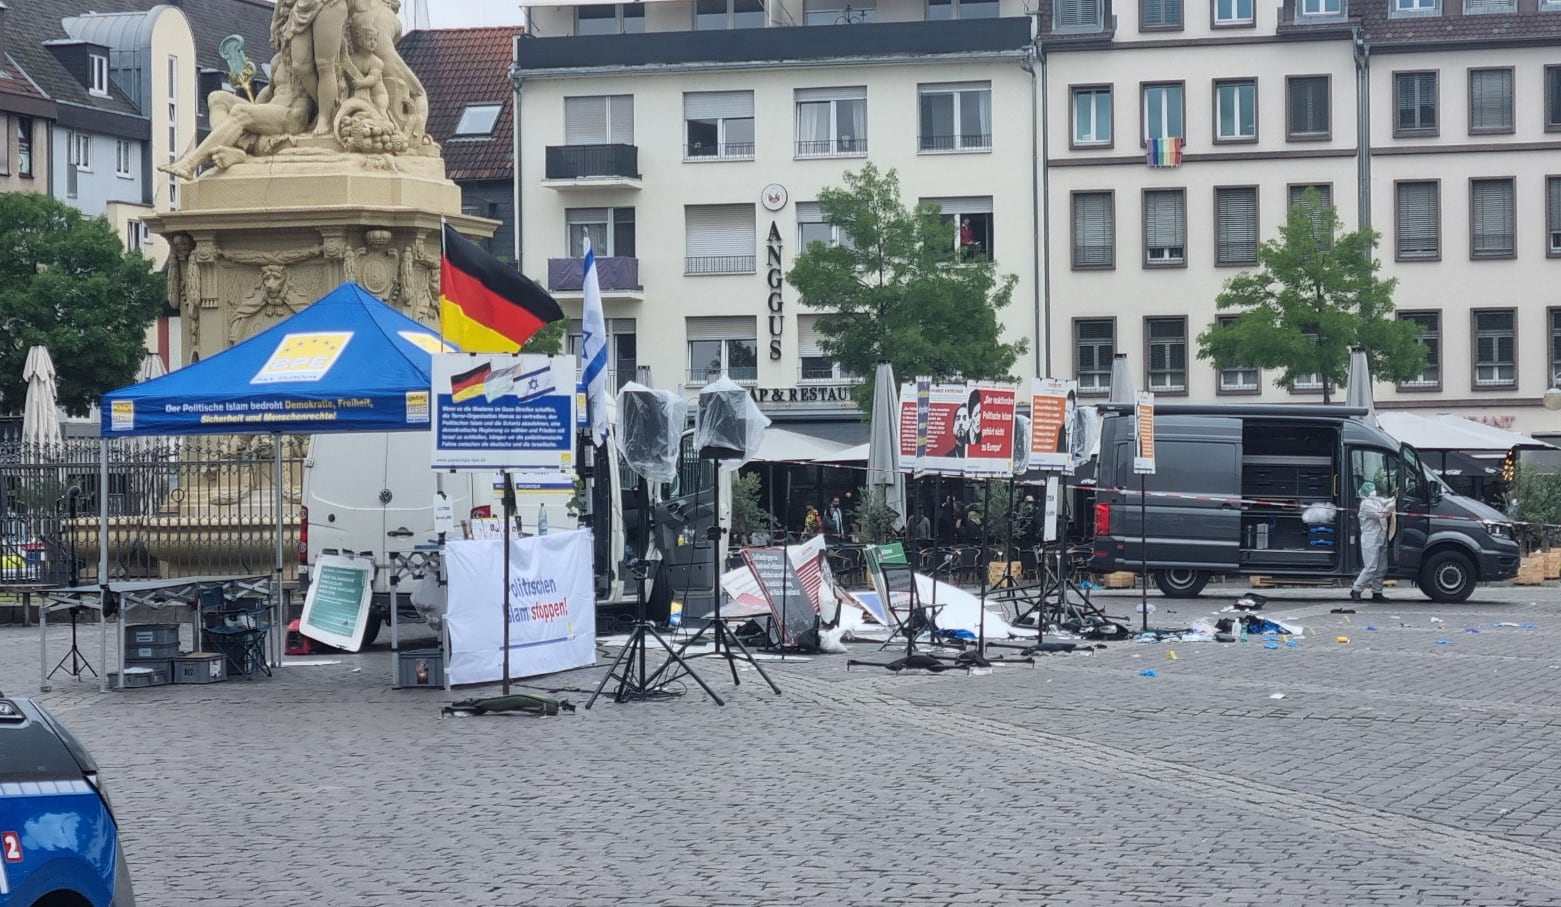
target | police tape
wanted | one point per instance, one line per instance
(1300, 506)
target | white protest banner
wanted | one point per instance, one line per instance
(499, 411)
(551, 607)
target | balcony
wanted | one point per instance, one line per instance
(965, 141)
(725, 151)
(718, 264)
(592, 167)
(619, 278)
(916, 41)
(741, 374)
(845, 146)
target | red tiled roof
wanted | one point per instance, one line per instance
(460, 67)
(12, 81)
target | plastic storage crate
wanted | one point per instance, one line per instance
(137, 635)
(420, 668)
(139, 674)
(162, 652)
(200, 667)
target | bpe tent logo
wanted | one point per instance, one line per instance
(303, 357)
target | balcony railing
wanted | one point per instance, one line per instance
(725, 151)
(573, 162)
(718, 264)
(615, 273)
(967, 141)
(742, 374)
(832, 147)
(808, 374)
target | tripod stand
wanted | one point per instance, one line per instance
(631, 660)
(78, 661)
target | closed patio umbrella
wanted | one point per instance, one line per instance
(883, 443)
(40, 413)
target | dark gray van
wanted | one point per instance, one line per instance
(1231, 484)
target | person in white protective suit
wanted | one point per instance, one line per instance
(1374, 515)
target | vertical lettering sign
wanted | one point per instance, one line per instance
(1143, 455)
(772, 256)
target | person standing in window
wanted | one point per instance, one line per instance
(968, 246)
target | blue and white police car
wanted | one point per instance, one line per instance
(59, 842)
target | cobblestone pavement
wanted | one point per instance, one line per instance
(1412, 765)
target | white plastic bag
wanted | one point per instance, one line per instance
(1321, 513)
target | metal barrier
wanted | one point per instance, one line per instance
(189, 506)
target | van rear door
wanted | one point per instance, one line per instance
(1193, 506)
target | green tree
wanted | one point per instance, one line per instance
(67, 282)
(1316, 293)
(547, 341)
(897, 288)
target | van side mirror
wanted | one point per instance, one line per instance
(1436, 493)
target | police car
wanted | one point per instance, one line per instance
(59, 843)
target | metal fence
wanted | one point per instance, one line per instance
(177, 507)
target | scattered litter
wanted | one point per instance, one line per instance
(1148, 672)
(1341, 640)
(1444, 642)
(1437, 620)
(1370, 627)
(1342, 611)
(1171, 654)
(1471, 629)
(1251, 602)
(1531, 626)
(1271, 644)
(1276, 695)
(1506, 623)
(1292, 644)
(1145, 605)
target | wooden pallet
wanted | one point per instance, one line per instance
(1531, 571)
(1122, 579)
(1552, 563)
(1282, 582)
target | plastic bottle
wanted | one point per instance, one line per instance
(542, 520)
(1242, 623)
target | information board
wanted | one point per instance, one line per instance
(782, 587)
(499, 411)
(336, 610)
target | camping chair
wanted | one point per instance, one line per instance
(237, 630)
(904, 608)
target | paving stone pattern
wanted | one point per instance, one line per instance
(1395, 770)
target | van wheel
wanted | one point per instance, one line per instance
(371, 631)
(1179, 582)
(1448, 576)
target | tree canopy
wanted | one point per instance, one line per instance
(896, 287)
(68, 282)
(1315, 294)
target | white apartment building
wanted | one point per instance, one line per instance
(691, 137)
(691, 143)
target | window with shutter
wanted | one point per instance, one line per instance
(1308, 107)
(1418, 221)
(1235, 225)
(1552, 98)
(1094, 346)
(972, 219)
(719, 124)
(1491, 215)
(1167, 339)
(1094, 232)
(1490, 100)
(1430, 337)
(1479, 7)
(814, 363)
(1317, 211)
(719, 239)
(599, 120)
(722, 345)
(1077, 15)
(1555, 347)
(1495, 348)
(1553, 214)
(1414, 98)
(1165, 227)
(1236, 379)
(1156, 14)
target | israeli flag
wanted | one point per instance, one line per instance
(593, 351)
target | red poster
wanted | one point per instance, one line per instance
(970, 429)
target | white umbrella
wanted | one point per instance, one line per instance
(1122, 381)
(1358, 392)
(40, 415)
(883, 443)
(151, 367)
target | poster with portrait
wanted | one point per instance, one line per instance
(1053, 414)
(969, 429)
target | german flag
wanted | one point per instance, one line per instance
(486, 306)
(469, 384)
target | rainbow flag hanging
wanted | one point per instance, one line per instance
(1165, 152)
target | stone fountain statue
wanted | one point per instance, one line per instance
(325, 175)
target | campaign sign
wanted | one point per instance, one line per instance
(795, 613)
(1053, 403)
(551, 606)
(969, 429)
(499, 411)
(336, 609)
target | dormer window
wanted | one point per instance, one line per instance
(98, 72)
(478, 119)
(1322, 9)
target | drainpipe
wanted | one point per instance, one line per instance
(1040, 209)
(515, 80)
(1362, 127)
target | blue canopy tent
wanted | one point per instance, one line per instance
(349, 362)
